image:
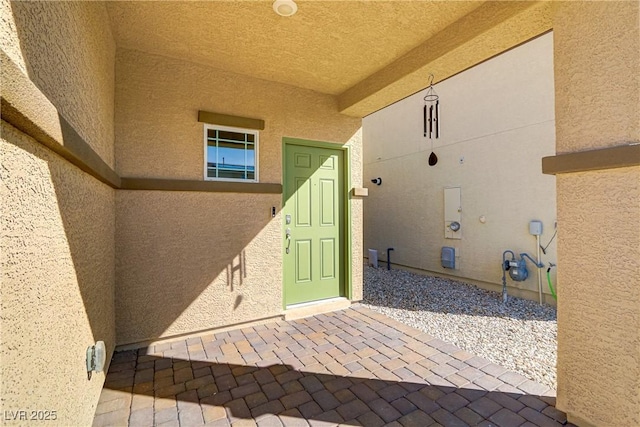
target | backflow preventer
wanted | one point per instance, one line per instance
(517, 269)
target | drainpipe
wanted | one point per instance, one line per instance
(539, 272)
(389, 258)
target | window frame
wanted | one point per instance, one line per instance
(256, 143)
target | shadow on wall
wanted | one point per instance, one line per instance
(240, 269)
(88, 216)
(69, 54)
(183, 261)
(189, 261)
(85, 205)
(58, 297)
(199, 391)
(237, 266)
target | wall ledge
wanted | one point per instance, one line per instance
(604, 158)
(152, 184)
(227, 120)
(27, 109)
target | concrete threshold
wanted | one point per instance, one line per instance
(308, 309)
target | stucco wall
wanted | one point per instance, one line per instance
(497, 122)
(179, 248)
(602, 75)
(67, 50)
(597, 77)
(57, 280)
(598, 378)
(58, 223)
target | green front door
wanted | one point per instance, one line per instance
(313, 223)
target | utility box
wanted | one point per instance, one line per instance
(448, 257)
(452, 213)
(535, 228)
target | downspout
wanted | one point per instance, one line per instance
(539, 272)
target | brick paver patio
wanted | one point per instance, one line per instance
(351, 367)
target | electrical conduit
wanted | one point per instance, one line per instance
(539, 272)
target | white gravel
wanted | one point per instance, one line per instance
(520, 335)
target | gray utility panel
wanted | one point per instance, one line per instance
(448, 257)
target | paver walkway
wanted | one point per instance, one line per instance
(351, 367)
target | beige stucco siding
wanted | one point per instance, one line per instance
(357, 218)
(67, 50)
(10, 41)
(497, 122)
(177, 252)
(58, 223)
(193, 261)
(595, 222)
(57, 280)
(603, 114)
(597, 76)
(157, 130)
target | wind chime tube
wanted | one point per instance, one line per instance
(430, 121)
(437, 119)
(424, 119)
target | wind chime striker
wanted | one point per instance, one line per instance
(431, 118)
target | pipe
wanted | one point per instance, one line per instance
(539, 274)
(389, 258)
(526, 255)
(553, 292)
(505, 267)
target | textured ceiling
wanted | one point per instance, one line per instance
(328, 46)
(351, 49)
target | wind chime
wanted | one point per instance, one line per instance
(431, 115)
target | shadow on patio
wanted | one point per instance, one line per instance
(353, 367)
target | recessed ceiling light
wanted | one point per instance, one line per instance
(285, 7)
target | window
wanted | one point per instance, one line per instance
(230, 153)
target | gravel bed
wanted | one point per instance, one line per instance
(520, 335)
